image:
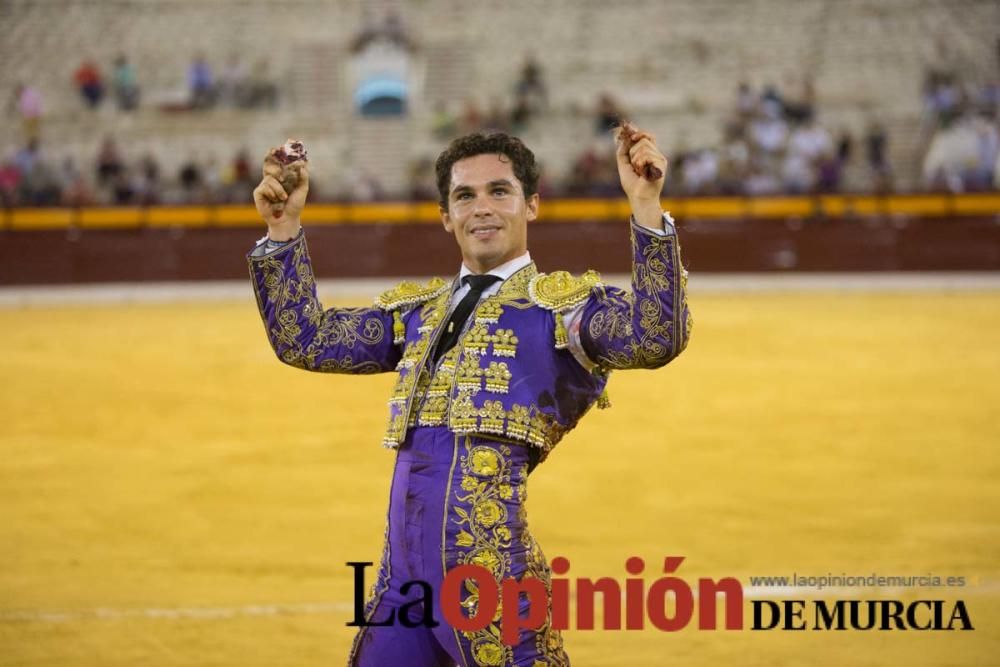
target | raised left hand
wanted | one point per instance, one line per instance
(635, 149)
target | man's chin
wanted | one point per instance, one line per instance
(487, 261)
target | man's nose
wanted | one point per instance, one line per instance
(482, 206)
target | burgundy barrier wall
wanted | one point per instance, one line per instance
(75, 256)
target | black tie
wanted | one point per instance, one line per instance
(452, 330)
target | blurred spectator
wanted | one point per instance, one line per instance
(390, 28)
(808, 146)
(10, 183)
(876, 147)
(521, 114)
(953, 149)
(421, 180)
(234, 88)
(799, 107)
(472, 117)
(201, 83)
(831, 168)
(75, 190)
(772, 97)
(148, 184)
(363, 185)
(609, 114)
(734, 159)
(584, 173)
(238, 179)
(369, 29)
(109, 163)
(769, 131)
(988, 98)
(241, 167)
(943, 97)
(700, 172)
(123, 190)
(444, 125)
(828, 174)
(545, 187)
(26, 158)
(40, 186)
(679, 156)
(496, 120)
(594, 172)
(530, 90)
(980, 175)
(845, 146)
(263, 91)
(761, 180)
(126, 84)
(746, 102)
(212, 182)
(190, 179)
(395, 29)
(26, 179)
(90, 84)
(797, 174)
(29, 105)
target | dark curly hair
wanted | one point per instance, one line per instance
(485, 143)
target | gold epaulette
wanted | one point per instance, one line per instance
(408, 293)
(561, 290)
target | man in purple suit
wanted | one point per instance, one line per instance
(494, 367)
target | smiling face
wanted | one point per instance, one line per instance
(487, 211)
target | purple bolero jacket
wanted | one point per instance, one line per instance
(511, 373)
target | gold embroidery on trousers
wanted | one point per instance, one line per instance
(488, 487)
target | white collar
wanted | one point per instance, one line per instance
(504, 271)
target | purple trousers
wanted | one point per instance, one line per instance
(455, 500)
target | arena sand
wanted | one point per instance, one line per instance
(172, 495)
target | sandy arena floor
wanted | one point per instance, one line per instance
(172, 495)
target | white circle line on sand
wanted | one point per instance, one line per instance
(367, 288)
(319, 608)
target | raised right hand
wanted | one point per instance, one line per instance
(282, 210)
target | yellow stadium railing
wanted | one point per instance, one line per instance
(554, 211)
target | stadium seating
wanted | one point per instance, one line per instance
(674, 66)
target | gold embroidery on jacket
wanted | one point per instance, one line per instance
(488, 312)
(497, 377)
(408, 293)
(477, 363)
(492, 417)
(463, 413)
(414, 380)
(468, 375)
(523, 423)
(657, 339)
(561, 291)
(477, 339)
(505, 343)
(337, 326)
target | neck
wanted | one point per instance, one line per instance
(479, 268)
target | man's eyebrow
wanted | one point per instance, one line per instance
(492, 184)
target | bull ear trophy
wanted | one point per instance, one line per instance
(283, 164)
(624, 131)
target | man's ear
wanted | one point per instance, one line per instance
(446, 221)
(532, 206)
